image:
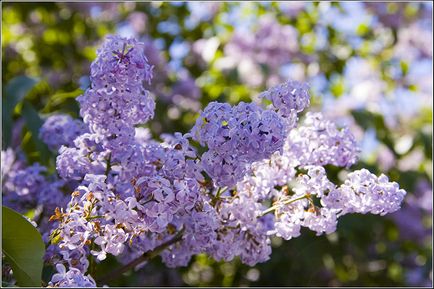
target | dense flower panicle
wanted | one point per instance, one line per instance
(131, 194)
(225, 170)
(70, 164)
(314, 182)
(73, 163)
(316, 141)
(199, 236)
(60, 130)
(21, 186)
(288, 97)
(256, 248)
(267, 174)
(250, 130)
(212, 120)
(166, 184)
(236, 137)
(259, 132)
(120, 60)
(364, 192)
(242, 231)
(29, 180)
(320, 220)
(319, 142)
(115, 111)
(117, 99)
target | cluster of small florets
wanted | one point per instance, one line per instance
(71, 278)
(117, 99)
(288, 97)
(129, 194)
(318, 141)
(26, 186)
(61, 129)
(236, 137)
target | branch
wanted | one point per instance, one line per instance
(146, 256)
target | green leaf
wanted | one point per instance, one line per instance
(58, 99)
(14, 93)
(34, 123)
(33, 120)
(23, 248)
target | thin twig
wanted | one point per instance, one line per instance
(287, 202)
(146, 256)
(92, 264)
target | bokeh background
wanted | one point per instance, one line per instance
(369, 66)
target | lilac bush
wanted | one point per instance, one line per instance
(242, 175)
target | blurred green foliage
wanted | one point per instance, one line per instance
(47, 49)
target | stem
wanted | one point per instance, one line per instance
(108, 166)
(216, 198)
(146, 256)
(220, 191)
(94, 217)
(92, 263)
(287, 202)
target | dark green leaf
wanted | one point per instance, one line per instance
(23, 248)
(59, 99)
(14, 93)
(34, 123)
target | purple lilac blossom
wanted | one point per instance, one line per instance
(236, 136)
(60, 130)
(117, 99)
(288, 97)
(318, 141)
(133, 192)
(71, 278)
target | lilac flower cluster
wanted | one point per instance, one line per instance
(131, 194)
(25, 187)
(60, 130)
(236, 136)
(86, 155)
(288, 97)
(117, 99)
(71, 278)
(362, 192)
(319, 142)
